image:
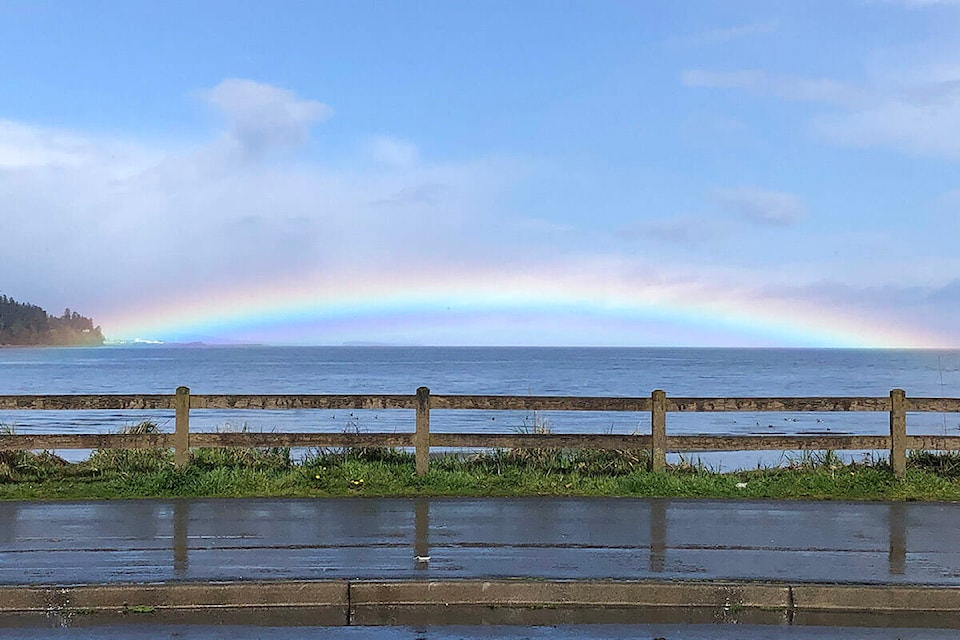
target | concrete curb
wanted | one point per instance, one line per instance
(525, 593)
(343, 602)
(879, 598)
(175, 596)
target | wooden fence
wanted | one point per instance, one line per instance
(422, 403)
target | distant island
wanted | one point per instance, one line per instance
(24, 324)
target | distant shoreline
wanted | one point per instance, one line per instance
(48, 346)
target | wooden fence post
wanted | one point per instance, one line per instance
(658, 430)
(898, 432)
(421, 439)
(181, 435)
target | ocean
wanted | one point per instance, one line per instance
(481, 370)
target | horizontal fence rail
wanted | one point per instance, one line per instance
(657, 442)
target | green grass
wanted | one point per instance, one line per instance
(112, 474)
(139, 609)
(234, 472)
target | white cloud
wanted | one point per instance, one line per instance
(915, 110)
(26, 147)
(262, 116)
(100, 224)
(412, 195)
(762, 206)
(921, 4)
(106, 225)
(786, 87)
(924, 121)
(20, 146)
(950, 199)
(393, 151)
(721, 35)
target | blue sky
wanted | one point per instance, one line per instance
(757, 157)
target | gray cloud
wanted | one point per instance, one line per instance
(939, 302)
(680, 231)
(947, 294)
(762, 206)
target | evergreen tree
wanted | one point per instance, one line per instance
(27, 324)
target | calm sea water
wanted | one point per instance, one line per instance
(465, 370)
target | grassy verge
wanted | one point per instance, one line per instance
(112, 474)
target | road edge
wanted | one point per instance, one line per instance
(346, 602)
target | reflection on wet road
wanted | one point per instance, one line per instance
(553, 538)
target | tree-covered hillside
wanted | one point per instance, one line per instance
(27, 324)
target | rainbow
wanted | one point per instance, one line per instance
(501, 307)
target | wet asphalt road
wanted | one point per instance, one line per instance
(558, 538)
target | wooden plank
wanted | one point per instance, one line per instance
(507, 403)
(539, 403)
(297, 401)
(775, 443)
(86, 441)
(539, 441)
(265, 440)
(934, 443)
(86, 402)
(936, 405)
(474, 440)
(777, 404)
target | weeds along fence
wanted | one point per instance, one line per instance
(658, 442)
